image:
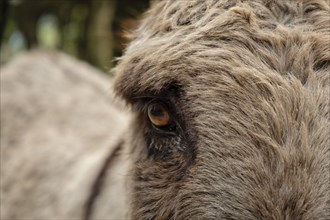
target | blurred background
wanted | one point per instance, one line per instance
(91, 30)
(59, 119)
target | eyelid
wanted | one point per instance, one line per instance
(142, 104)
(164, 131)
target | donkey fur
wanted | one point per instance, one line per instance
(248, 83)
(58, 130)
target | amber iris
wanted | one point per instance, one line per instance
(158, 115)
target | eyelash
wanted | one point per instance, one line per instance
(170, 129)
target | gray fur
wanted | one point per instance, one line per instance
(58, 127)
(249, 85)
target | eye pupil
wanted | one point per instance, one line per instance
(158, 115)
(157, 111)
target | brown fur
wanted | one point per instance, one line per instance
(248, 83)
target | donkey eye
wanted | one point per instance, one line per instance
(158, 115)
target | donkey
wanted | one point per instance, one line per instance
(230, 120)
(231, 110)
(61, 135)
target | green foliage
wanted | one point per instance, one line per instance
(87, 29)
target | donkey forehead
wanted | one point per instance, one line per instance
(153, 66)
(166, 51)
